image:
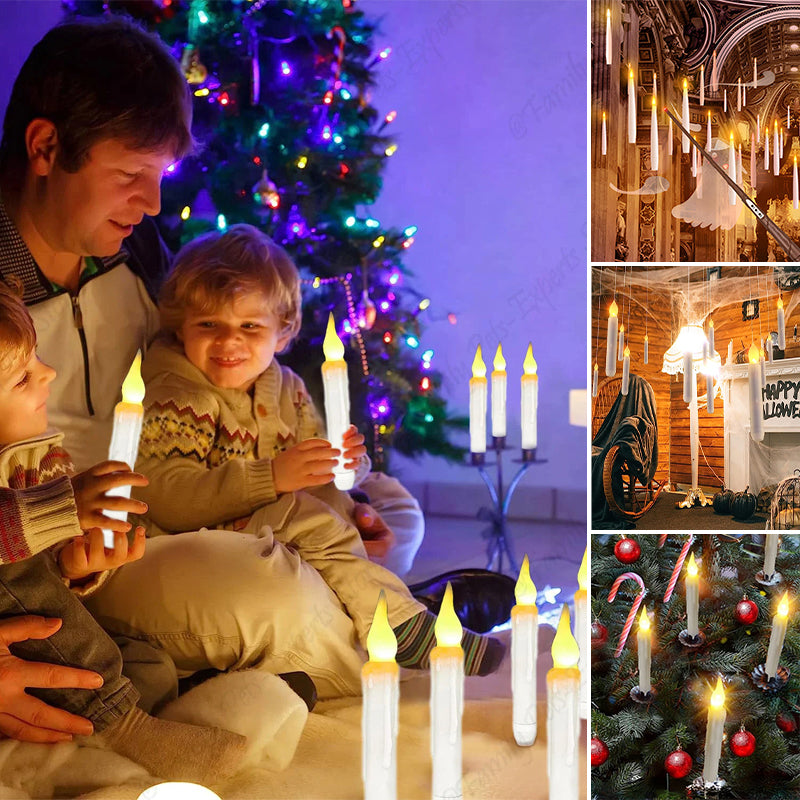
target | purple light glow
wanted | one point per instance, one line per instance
(285, 68)
(379, 408)
(394, 277)
(384, 305)
(326, 133)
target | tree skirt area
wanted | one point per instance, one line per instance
(665, 516)
(327, 762)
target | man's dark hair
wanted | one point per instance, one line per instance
(97, 79)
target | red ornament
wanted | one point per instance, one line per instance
(786, 722)
(743, 743)
(627, 551)
(599, 634)
(746, 611)
(599, 752)
(678, 764)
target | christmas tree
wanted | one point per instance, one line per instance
(660, 744)
(291, 144)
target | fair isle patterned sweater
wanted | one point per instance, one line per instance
(37, 507)
(208, 451)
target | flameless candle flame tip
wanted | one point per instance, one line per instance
(381, 641)
(783, 606)
(133, 385)
(644, 620)
(447, 627)
(613, 309)
(565, 650)
(499, 362)
(718, 695)
(478, 365)
(691, 567)
(332, 345)
(525, 589)
(529, 365)
(753, 354)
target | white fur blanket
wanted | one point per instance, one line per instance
(327, 759)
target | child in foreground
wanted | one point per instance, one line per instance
(43, 515)
(231, 438)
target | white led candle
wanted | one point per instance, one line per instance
(692, 597)
(499, 392)
(621, 341)
(739, 95)
(781, 319)
(732, 170)
(776, 637)
(128, 416)
(626, 370)
(608, 36)
(711, 338)
(766, 149)
(337, 401)
(447, 702)
(670, 144)
(603, 136)
(644, 651)
(646, 349)
(702, 85)
(753, 173)
(530, 400)
(477, 405)
(770, 553)
(685, 116)
(563, 723)
(631, 107)
(381, 696)
(708, 132)
(611, 340)
(715, 727)
(524, 652)
(725, 100)
(775, 151)
(595, 379)
(755, 72)
(581, 600)
(795, 191)
(754, 394)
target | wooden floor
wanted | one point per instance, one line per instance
(664, 516)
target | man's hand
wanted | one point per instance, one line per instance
(309, 463)
(27, 718)
(376, 534)
(354, 450)
(86, 554)
(90, 489)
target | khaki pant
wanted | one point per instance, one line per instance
(232, 600)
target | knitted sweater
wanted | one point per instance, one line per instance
(208, 451)
(37, 506)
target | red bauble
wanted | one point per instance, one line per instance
(599, 752)
(627, 551)
(599, 634)
(678, 764)
(786, 722)
(743, 743)
(746, 611)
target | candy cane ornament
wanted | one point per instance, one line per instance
(678, 567)
(634, 608)
(338, 51)
(661, 539)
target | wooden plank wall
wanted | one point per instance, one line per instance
(673, 414)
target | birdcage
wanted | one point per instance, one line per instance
(784, 513)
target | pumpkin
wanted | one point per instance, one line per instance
(722, 501)
(743, 504)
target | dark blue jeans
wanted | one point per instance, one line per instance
(34, 586)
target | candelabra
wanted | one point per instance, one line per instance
(499, 540)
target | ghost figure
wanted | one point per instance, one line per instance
(654, 184)
(711, 208)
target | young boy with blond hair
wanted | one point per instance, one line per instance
(44, 553)
(231, 438)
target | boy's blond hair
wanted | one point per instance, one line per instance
(218, 267)
(17, 334)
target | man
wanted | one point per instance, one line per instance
(97, 113)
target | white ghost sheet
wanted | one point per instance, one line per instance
(711, 207)
(654, 184)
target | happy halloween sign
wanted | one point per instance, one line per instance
(781, 400)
